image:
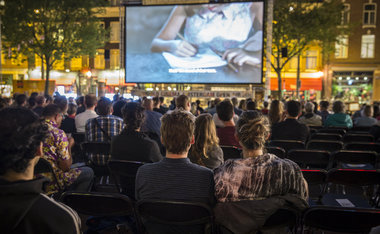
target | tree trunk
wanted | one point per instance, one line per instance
(42, 68)
(298, 76)
(279, 84)
(47, 75)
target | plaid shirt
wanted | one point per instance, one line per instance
(112, 125)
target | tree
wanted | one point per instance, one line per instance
(297, 24)
(53, 29)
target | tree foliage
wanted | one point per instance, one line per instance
(53, 29)
(297, 24)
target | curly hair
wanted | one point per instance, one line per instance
(253, 130)
(21, 134)
(133, 115)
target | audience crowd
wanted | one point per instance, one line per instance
(180, 146)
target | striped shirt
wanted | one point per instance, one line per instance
(112, 125)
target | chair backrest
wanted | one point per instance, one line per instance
(315, 127)
(363, 146)
(330, 146)
(314, 177)
(278, 151)
(281, 218)
(359, 129)
(354, 157)
(310, 158)
(44, 166)
(175, 212)
(230, 152)
(353, 177)
(351, 137)
(103, 148)
(79, 137)
(287, 145)
(340, 131)
(124, 173)
(326, 136)
(98, 204)
(341, 219)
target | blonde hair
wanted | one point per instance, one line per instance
(253, 133)
(205, 137)
(275, 112)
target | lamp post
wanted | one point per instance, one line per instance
(2, 4)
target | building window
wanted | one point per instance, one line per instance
(311, 59)
(115, 32)
(368, 46)
(99, 61)
(115, 59)
(341, 47)
(369, 14)
(293, 63)
(345, 15)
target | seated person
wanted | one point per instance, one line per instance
(68, 124)
(90, 103)
(102, 129)
(339, 118)
(23, 207)
(254, 187)
(57, 150)
(310, 118)
(290, 128)
(175, 177)
(366, 120)
(41, 103)
(151, 123)
(324, 111)
(226, 134)
(206, 150)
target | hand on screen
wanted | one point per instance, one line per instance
(183, 49)
(239, 56)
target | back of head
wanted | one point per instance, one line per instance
(368, 111)
(40, 100)
(104, 106)
(338, 107)
(162, 99)
(177, 129)
(275, 111)
(293, 108)
(117, 107)
(133, 115)
(324, 105)
(266, 104)
(21, 99)
(182, 101)
(51, 110)
(32, 101)
(156, 101)
(217, 101)
(61, 101)
(225, 110)
(72, 109)
(80, 100)
(309, 107)
(49, 99)
(251, 105)
(20, 137)
(234, 101)
(148, 104)
(205, 135)
(90, 100)
(253, 130)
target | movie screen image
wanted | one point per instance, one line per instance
(202, 43)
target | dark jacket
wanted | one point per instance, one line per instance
(249, 216)
(290, 129)
(24, 209)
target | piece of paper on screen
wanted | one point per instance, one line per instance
(205, 60)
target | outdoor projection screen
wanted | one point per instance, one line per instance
(193, 43)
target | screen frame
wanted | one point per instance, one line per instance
(134, 4)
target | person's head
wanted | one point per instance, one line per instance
(315, 107)
(368, 111)
(54, 113)
(266, 104)
(183, 101)
(72, 109)
(252, 130)
(34, 95)
(61, 101)
(251, 105)
(177, 131)
(71, 100)
(324, 105)
(90, 101)
(217, 101)
(293, 109)
(80, 101)
(275, 111)
(32, 102)
(21, 100)
(234, 101)
(21, 137)
(225, 110)
(243, 104)
(198, 102)
(117, 106)
(49, 99)
(162, 99)
(40, 101)
(133, 115)
(3, 103)
(148, 104)
(156, 102)
(309, 107)
(104, 107)
(338, 107)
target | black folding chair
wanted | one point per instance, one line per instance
(326, 136)
(175, 216)
(315, 127)
(230, 152)
(280, 219)
(341, 219)
(279, 152)
(76, 151)
(316, 180)
(363, 146)
(98, 148)
(287, 145)
(329, 146)
(357, 159)
(350, 137)
(100, 204)
(357, 129)
(334, 130)
(44, 166)
(358, 187)
(310, 158)
(124, 174)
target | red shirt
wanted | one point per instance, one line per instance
(227, 136)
